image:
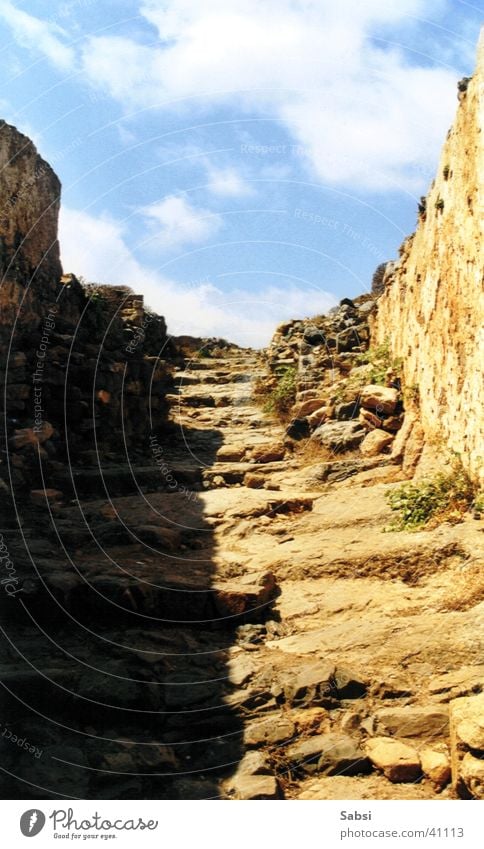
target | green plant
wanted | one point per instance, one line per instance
(439, 205)
(446, 172)
(203, 353)
(283, 396)
(381, 360)
(478, 504)
(445, 497)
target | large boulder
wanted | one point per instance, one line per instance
(298, 429)
(376, 442)
(300, 410)
(410, 721)
(269, 731)
(398, 761)
(339, 436)
(467, 745)
(320, 416)
(314, 335)
(382, 399)
(472, 775)
(436, 764)
(329, 754)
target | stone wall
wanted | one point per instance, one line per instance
(432, 308)
(29, 207)
(85, 368)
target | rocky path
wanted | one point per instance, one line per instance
(236, 627)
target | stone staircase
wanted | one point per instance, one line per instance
(220, 621)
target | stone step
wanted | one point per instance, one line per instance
(185, 378)
(123, 480)
(234, 473)
(141, 586)
(209, 400)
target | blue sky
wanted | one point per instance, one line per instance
(239, 162)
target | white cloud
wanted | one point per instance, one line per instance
(175, 222)
(38, 35)
(223, 180)
(365, 115)
(95, 248)
(227, 182)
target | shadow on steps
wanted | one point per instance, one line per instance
(117, 634)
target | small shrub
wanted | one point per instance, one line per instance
(381, 360)
(478, 504)
(446, 497)
(203, 353)
(283, 396)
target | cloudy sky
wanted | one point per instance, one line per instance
(238, 161)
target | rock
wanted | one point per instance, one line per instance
(42, 497)
(274, 729)
(253, 763)
(369, 420)
(315, 683)
(339, 470)
(311, 720)
(339, 436)
(410, 721)
(254, 481)
(435, 762)
(319, 416)
(28, 226)
(348, 684)
(237, 597)
(383, 399)
(311, 684)
(376, 442)
(472, 775)
(465, 681)
(398, 761)
(306, 395)
(268, 454)
(31, 436)
(347, 411)
(367, 307)
(393, 423)
(304, 755)
(466, 733)
(298, 429)
(231, 453)
(254, 787)
(156, 535)
(467, 722)
(313, 335)
(240, 669)
(329, 754)
(351, 721)
(341, 755)
(300, 411)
